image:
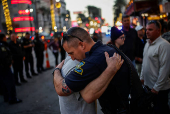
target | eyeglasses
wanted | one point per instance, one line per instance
(67, 36)
(122, 37)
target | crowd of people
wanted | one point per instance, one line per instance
(133, 56)
(13, 53)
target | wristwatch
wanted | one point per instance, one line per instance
(56, 69)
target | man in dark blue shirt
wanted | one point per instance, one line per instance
(130, 46)
(91, 76)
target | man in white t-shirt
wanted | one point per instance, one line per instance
(73, 103)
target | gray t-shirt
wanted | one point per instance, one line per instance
(74, 103)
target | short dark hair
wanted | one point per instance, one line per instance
(156, 23)
(125, 16)
(2, 36)
(79, 32)
(27, 33)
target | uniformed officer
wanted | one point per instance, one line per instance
(28, 45)
(6, 76)
(17, 57)
(39, 52)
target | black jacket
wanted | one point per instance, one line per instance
(5, 56)
(26, 42)
(39, 45)
(140, 47)
(16, 50)
(130, 46)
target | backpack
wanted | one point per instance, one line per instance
(143, 103)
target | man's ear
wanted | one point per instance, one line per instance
(82, 45)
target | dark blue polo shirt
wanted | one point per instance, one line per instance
(90, 68)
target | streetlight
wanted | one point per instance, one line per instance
(31, 10)
(58, 5)
(26, 10)
(55, 28)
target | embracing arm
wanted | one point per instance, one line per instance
(97, 87)
(59, 83)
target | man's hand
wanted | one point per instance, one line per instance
(60, 65)
(142, 81)
(114, 62)
(154, 91)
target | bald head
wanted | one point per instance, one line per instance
(13, 37)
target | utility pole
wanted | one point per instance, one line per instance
(58, 6)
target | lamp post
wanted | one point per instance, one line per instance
(30, 10)
(144, 15)
(58, 6)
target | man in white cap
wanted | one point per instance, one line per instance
(141, 43)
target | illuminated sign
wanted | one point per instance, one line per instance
(21, 2)
(52, 14)
(24, 29)
(27, 18)
(7, 15)
(23, 12)
(153, 17)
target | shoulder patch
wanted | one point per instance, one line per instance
(78, 68)
(3, 49)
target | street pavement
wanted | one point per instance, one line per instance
(38, 95)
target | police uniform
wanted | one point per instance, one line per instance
(17, 57)
(6, 76)
(39, 51)
(92, 67)
(28, 57)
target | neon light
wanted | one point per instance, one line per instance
(42, 37)
(23, 12)
(32, 38)
(7, 15)
(24, 29)
(52, 14)
(96, 18)
(21, 2)
(87, 24)
(51, 34)
(26, 18)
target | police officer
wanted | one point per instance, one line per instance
(39, 52)
(17, 57)
(6, 77)
(28, 45)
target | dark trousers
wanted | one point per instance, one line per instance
(29, 59)
(7, 83)
(161, 103)
(40, 59)
(63, 55)
(18, 68)
(56, 58)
